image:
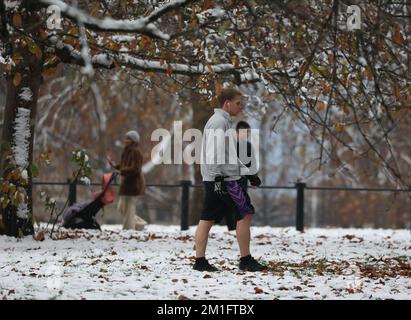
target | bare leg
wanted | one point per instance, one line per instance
(244, 235)
(202, 231)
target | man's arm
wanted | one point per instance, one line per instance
(215, 147)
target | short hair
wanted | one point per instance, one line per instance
(242, 125)
(228, 94)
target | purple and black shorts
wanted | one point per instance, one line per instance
(234, 205)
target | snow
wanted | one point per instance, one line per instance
(22, 210)
(25, 175)
(85, 53)
(129, 60)
(103, 59)
(26, 94)
(20, 148)
(362, 61)
(210, 13)
(85, 180)
(12, 4)
(156, 264)
(123, 38)
(21, 136)
(138, 25)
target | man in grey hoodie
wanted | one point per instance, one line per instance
(224, 194)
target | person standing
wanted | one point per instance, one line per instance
(223, 192)
(247, 157)
(132, 181)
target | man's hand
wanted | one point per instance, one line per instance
(255, 180)
(219, 186)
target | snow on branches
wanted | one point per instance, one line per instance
(142, 25)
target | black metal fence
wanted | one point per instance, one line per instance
(186, 185)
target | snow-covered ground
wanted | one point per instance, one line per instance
(156, 264)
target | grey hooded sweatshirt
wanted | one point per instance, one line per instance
(219, 149)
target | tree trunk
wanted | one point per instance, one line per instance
(23, 84)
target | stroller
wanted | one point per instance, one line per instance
(83, 215)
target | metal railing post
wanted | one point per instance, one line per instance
(185, 196)
(300, 186)
(72, 192)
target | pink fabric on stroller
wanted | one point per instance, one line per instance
(110, 195)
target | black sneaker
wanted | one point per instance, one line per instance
(203, 265)
(250, 264)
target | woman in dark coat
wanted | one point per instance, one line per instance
(132, 181)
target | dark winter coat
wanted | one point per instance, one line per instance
(132, 178)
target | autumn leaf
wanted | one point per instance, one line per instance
(95, 7)
(182, 297)
(39, 236)
(43, 34)
(326, 88)
(71, 41)
(197, 43)
(169, 70)
(218, 87)
(320, 106)
(299, 101)
(17, 21)
(339, 127)
(38, 53)
(346, 109)
(208, 4)
(348, 236)
(236, 62)
(17, 79)
(49, 72)
(213, 102)
(368, 73)
(398, 36)
(271, 63)
(145, 42)
(17, 58)
(35, 49)
(168, 55)
(258, 290)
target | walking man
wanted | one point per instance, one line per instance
(223, 191)
(132, 181)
